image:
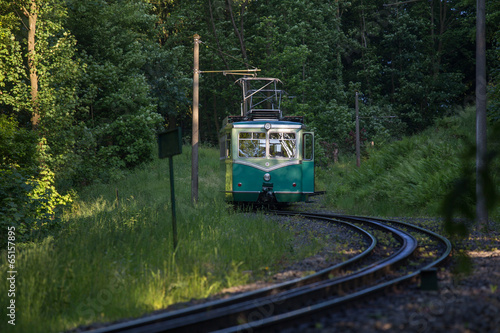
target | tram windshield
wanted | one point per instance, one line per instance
(282, 145)
(252, 144)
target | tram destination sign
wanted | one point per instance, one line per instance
(170, 143)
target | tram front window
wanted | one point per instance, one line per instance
(252, 144)
(282, 145)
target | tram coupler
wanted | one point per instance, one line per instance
(267, 193)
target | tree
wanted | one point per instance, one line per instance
(13, 75)
(239, 31)
(36, 57)
(30, 10)
(481, 130)
(128, 82)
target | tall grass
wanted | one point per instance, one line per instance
(409, 177)
(114, 259)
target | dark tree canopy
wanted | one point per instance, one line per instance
(108, 74)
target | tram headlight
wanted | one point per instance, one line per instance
(267, 177)
(267, 126)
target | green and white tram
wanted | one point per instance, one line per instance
(266, 158)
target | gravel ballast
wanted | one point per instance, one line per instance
(462, 303)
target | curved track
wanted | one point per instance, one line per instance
(282, 305)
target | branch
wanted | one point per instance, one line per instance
(241, 25)
(398, 3)
(236, 31)
(21, 19)
(215, 34)
(25, 12)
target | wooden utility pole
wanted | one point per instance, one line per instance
(358, 154)
(481, 128)
(196, 132)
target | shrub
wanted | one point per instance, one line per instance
(28, 197)
(17, 145)
(129, 140)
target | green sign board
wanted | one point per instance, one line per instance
(170, 143)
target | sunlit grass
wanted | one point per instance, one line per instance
(410, 177)
(115, 259)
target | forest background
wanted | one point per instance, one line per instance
(86, 85)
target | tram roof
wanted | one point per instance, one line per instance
(263, 122)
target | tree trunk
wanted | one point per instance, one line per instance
(216, 117)
(481, 122)
(221, 55)
(32, 15)
(239, 32)
(442, 29)
(219, 48)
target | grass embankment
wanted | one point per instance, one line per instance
(411, 177)
(114, 257)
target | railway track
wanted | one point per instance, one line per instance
(397, 254)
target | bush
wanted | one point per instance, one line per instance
(28, 198)
(103, 152)
(410, 176)
(129, 140)
(29, 204)
(17, 145)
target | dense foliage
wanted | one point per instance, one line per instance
(413, 61)
(116, 258)
(85, 85)
(428, 174)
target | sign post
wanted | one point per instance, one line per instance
(170, 144)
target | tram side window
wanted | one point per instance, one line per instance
(225, 146)
(308, 146)
(282, 145)
(252, 144)
(222, 146)
(228, 145)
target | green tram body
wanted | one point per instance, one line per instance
(253, 150)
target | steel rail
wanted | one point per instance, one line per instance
(246, 296)
(432, 234)
(277, 321)
(285, 302)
